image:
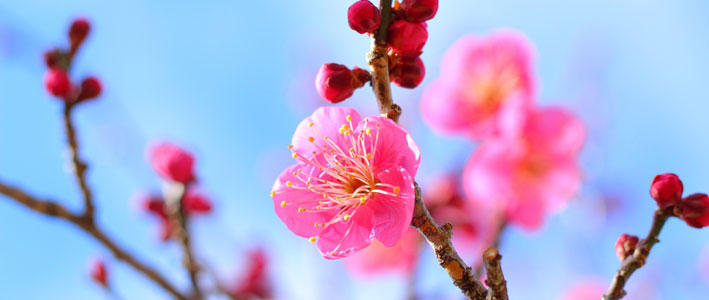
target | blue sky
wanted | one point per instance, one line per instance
(231, 79)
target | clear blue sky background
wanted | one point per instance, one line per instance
(231, 80)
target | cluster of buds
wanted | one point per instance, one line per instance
(407, 34)
(176, 166)
(58, 62)
(667, 190)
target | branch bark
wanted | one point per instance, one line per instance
(175, 197)
(637, 260)
(379, 64)
(495, 279)
(57, 210)
(78, 165)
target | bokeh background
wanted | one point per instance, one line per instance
(231, 79)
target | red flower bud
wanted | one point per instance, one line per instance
(255, 282)
(57, 82)
(90, 88)
(78, 31)
(694, 210)
(52, 58)
(666, 189)
(172, 163)
(407, 38)
(417, 11)
(363, 16)
(625, 246)
(407, 72)
(98, 272)
(335, 82)
(196, 203)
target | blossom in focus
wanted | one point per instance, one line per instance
(172, 163)
(352, 183)
(531, 171)
(484, 84)
(378, 259)
(255, 282)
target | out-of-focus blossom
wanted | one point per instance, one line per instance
(353, 181)
(172, 163)
(98, 272)
(194, 203)
(378, 259)
(531, 171)
(254, 283)
(587, 289)
(485, 83)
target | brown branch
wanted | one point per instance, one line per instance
(175, 197)
(54, 209)
(499, 232)
(637, 260)
(78, 165)
(439, 239)
(495, 279)
(379, 64)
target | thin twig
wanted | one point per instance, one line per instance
(54, 209)
(179, 217)
(495, 279)
(78, 165)
(497, 240)
(637, 260)
(379, 64)
(439, 239)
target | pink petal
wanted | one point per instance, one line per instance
(326, 122)
(555, 130)
(378, 259)
(297, 196)
(394, 145)
(344, 238)
(391, 215)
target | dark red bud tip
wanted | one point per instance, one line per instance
(363, 17)
(53, 58)
(98, 272)
(666, 189)
(360, 77)
(625, 246)
(334, 82)
(694, 210)
(78, 31)
(407, 72)
(417, 11)
(407, 39)
(90, 89)
(57, 83)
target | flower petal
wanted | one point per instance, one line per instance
(556, 131)
(393, 145)
(391, 215)
(344, 238)
(326, 122)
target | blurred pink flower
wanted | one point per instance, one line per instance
(193, 203)
(353, 181)
(254, 283)
(484, 83)
(172, 162)
(531, 171)
(586, 289)
(378, 259)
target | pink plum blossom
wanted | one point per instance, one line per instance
(172, 162)
(531, 171)
(484, 83)
(254, 283)
(352, 183)
(378, 259)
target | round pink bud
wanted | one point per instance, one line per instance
(90, 88)
(172, 163)
(407, 38)
(335, 82)
(363, 16)
(694, 210)
(408, 72)
(625, 246)
(57, 82)
(417, 11)
(79, 30)
(666, 189)
(98, 272)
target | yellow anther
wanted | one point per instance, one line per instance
(300, 209)
(273, 193)
(346, 217)
(349, 118)
(324, 138)
(300, 170)
(310, 124)
(311, 139)
(290, 146)
(347, 132)
(324, 196)
(317, 207)
(351, 150)
(369, 155)
(310, 187)
(283, 203)
(344, 128)
(397, 190)
(295, 173)
(366, 120)
(368, 131)
(312, 239)
(315, 152)
(288, 183)
(363, 200)
(295, 155)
